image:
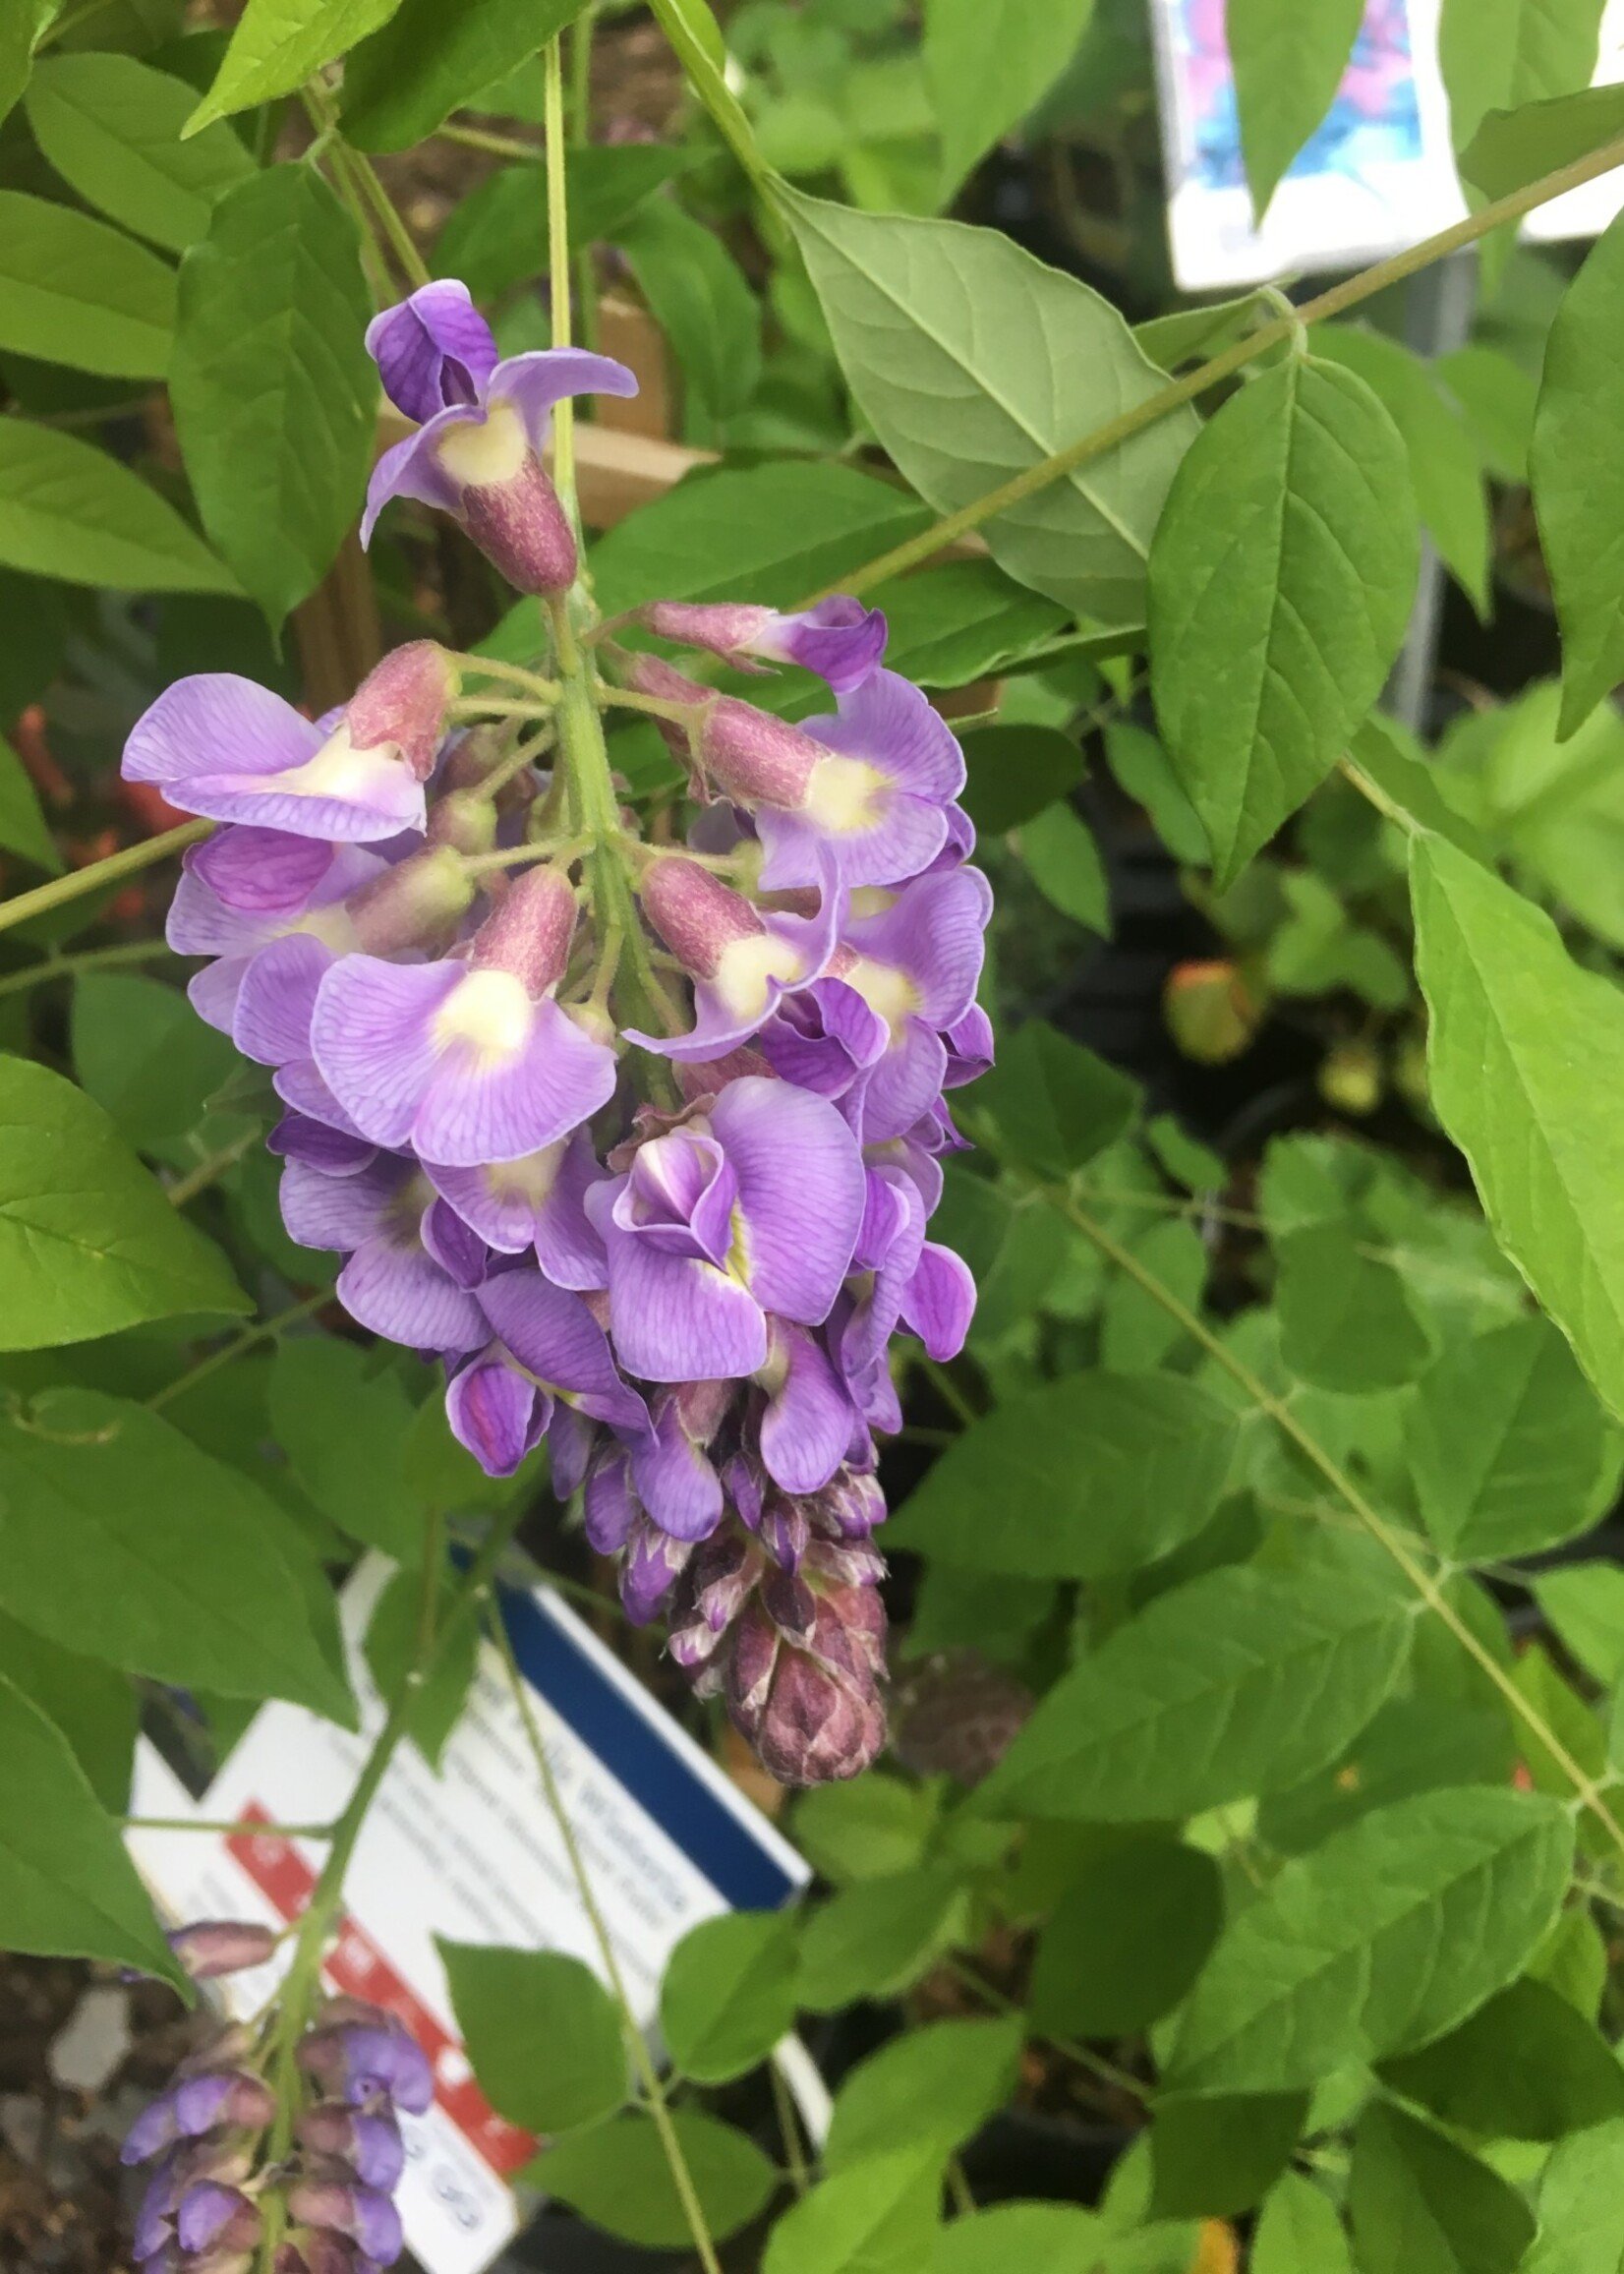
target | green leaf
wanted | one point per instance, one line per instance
(1418, 2204)
(343, 1422)
(22, 827)
(123, 1540)
(1499, 54)
(693, 31)
(144, 1054)
(863, 1830)
(1239, 1682)
(1386, 1937)
(88, 1242)
(76, 292)
(403, 82)
(1299, 2232)
(69, 511)
(278, 44)
(542, 2032)
(1015, 773)
(941, 2081)
(1556, 805)
(1288, 63)
(1513, 148)
(1525, 2066)
(1407, 785)
(1411, 1745)
(1584, 1603)
(1145, 773)
(1060, 853)
(878, 2216)
(699, 297)
(729, 1994)
(1346, 1318)
(1053, 1105)
(1497, 397)
(275, 397)
(1506, 1444)
(1280, 587)
(1581, 2206)
(1526, 1058)
(67, 1887)
(1138, 1332)
(975, 363)
(1037, 2238)
(496, 239)
(1445, 463)
(962, 621)
(1126, 1939)
(93, 1705)
(391, 1645)
(1577, 485)
(20, 27)
(1210, 2158)
(987, 62)
(1191, 334)
(877, 1936)
(1092, 1474)
(111, 127)
(617, 2175)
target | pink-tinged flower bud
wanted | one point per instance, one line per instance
(369, 2144)
(809, 1724)
(210, 1948)
(402, 703)
(366, 2216)
(417, 904)
(318, 2251)
(516, 518)
(361, 2055)
(465, 820)
(530, 934)
(698, 917)
(211, 2217)
(755, 758)
(837, 638)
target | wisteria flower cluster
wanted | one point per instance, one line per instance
(640, 1137)
(218, 2191)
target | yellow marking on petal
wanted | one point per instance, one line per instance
(845, 795)
(530, 1178)
(889, 992)
(737, 1265)
(404, 1212)
(337, 770)
(477, 453)
(872, 899)
(490, 1012)
(746, 967)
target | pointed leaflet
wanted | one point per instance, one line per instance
(1499, 54)
(975, 363)
(94, 1705)
(1526, 1057)
(111, 127)
(619, 2175)
(1415, 2199)
(510, 2004)
(1578, 479)
(1385, 1937)
(279, 43)
(1280, 587)
(275, 397)
(729, 1994)
(1581, 2206)
(88, 1242)
(401, 84)
(1299, 2230)
(67, 1887)
(1513, 148)
(1288, 62)
(987, 62)
(23, 829)
(74, 291)
(941, 2082)
(69, 511)
(1240, 1682)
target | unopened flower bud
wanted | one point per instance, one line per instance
(210, 1948)
(369, 2144)
(1210, 1011)
(403, 703)
(364, 2214)
(465, 820)
(530, 934)
(810, 1726)
(420, 901)
(508, 505)
(211, 2217)
(837, 638)
(698, 917)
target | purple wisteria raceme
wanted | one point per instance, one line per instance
(640, 1141)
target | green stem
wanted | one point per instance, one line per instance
(558, 264)
(648, 2074)
(226, 1828)
(1585, 1789)
(91, 960)
(266, 1331)
(90, 879)
(471, 137)
(1116, 431)
(493, 668)
(580, 135)
(409, 259)
(69, 21)
(199, 1179)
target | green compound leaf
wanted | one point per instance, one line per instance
(23, 826)
(877, 1936)
(1416, 2200)
(941, 2081)
(877, 2216)
(1578, 481)
(280, 44)
(1097, 1472)
(1280, 587)
(1016, 772)
(702, 303)
(1346, 1318)
(403, 83)
(1581, 2206)
(75, 291)
(123, 1540)
(1288, 62)
(1499, 54)
(93, 1705)
(1052, 1103)
(965, 620)
(1526, 1055)
(1513, 148)
(67, 1887)
(1036, 2238)
(1239, 1682)
(1384, 1937)
(987, 62)
(1126, 1939)
(729, 1994)
(111, 127)
(617, 2175)
(1525, 2066)
(69, 511)
(542, 2032)
(1299, 2232)
(975, 363)
(89, 1244)
(275, 397)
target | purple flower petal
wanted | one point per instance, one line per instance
(260, 872)
(534, 383)
(536, 1201)
(755, 975)
(495, 1412)
(299, 1086)
(433, 350)
(680, 1197)
(939, 1301)
(674, 1319)
(572, 1440)
(212, 993)
(806, 1428)
(889, 838)
(902, 1085)
(461, 1254)
(412, 468)
(556, 1338)
(316, 1145)
(802, 1192)
(837, 638)
(675, 1477)
(342, 1212)
(889, 724)
(824, 1037)
(652, 1565)
(927, 949)
(609, 1504)
(277, 998)
(401, 1292)
(156, 2128)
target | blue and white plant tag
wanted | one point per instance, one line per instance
(471, 1855)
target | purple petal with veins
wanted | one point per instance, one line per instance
(801, 1194)
(675, 1477)
(277, 998)
(556, 1338)
(433, 349)
(680, 1197)
(608, 1505)
(939, 1301)
(537, 1201)
(260, 872)
(806, 1428)
(296, 1138)
(674, 1318)
(495, 1412)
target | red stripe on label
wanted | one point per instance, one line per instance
(358, 1968)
